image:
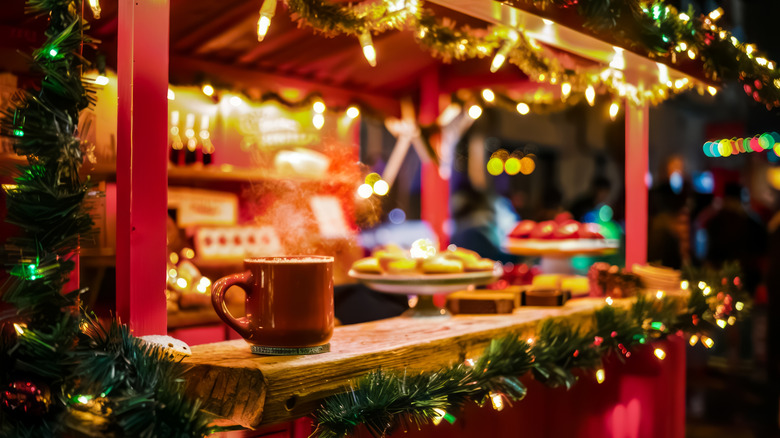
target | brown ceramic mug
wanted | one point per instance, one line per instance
(289, 304)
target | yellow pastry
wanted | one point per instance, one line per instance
(368, 265)
(402, 266)
(441, 265)
(546, 282)
(464, 255)
(479, 265)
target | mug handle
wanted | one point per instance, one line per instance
(242, 280)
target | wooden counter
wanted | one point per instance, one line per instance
(256, 390)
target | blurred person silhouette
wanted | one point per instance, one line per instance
(736, 233)
(669, 230)
(595, 197)
(474, 217)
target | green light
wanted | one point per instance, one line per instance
(657, 325)
(18, 133)
(83, 399)
(605, 213)
(33, 277)
(664, 38)
(449, 418)
(512, 166)
(53, 52)
(656, 11)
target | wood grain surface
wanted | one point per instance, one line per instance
(256, 390)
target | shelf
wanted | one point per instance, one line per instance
(256, 390)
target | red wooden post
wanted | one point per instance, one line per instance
(637, 131)
(142, 164)
(435, 196)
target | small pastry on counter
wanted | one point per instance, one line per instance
(479, 265)
(441, 265)
(402, 266)
(481, 302)
(369, 265)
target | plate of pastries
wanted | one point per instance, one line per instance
(422, 270)
(560, 237)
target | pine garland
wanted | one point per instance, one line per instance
(384, 400)
(91, 380)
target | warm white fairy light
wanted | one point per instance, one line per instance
(716, 14)
(684, 285)
(440, 413)
(101, 80)
(208, 90)
(171, 95)
(488, 95)
(318, 107)
(267, 12)
(660, 294)
(600, 375)
(318, 120)
(691, 54)
(497, 401)
(565, 89)
(684, 17)
(660, 353)
(693, 340)
(732, 320)
(353, 112)
(523, 108)
(708, 342)
(590, 95)
(95, 6)
(235, 101)
(381, 187)
(368, 47)
(702, 285)
(614, 108)
(19, 328)
(500, 57)
(707, 290)
(712, 90)
(475, 111)
(721, 323)
(609, 301)
(365, 191)
(739, 305)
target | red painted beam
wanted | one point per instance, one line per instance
(142, 165)
(637, 131)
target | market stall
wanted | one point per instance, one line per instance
(447, 355)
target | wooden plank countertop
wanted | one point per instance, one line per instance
(253, 390)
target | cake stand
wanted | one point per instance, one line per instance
(556, 254)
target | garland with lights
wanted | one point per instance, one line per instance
(656, 30)
(735, 146)
(61, 371)
(385, 400)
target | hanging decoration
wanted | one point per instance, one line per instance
(657, 30)
(735, 146)
(384, 400)
(63, 373)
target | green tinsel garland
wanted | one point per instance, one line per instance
(384, 401)
(94, 381)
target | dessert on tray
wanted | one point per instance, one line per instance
(422, 259)
(561, 236)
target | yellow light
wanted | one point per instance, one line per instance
(171, 95)
(181, 282)
(365, 191)
(590, 95)
(660, 353)
(684, 17)
(498, 402)
(527, 165)
(208, 90)
(201, 288)
(523, 108)
(262, 27)
(353, 112)
(422, 249)
(706, 290)
(368, 47)
(660, 294)
(712, 90)
(381, 187)
(188, 253)
(495, 166)
(101, 80)
(440, 413)
(679, 83)
(512, 166)
(600, 376)
(95, 6)
(683, 46)
(694, 339)
(707, 342)
(530, 341)
(475, 111)
(760, 61)
(172, 273)
(702, 285)
(716, 14)
(173, 257)
(749, 49)
(722, 34)
(462, 47)
(614, 108)
(732, 320)
(739, 306)
(691, 54)
(609, 301)
(684, 285)
(565, 89)
(422, 32)
(488, 95)
(205, 280)
(318, 120)
(498, 61)
(19, 329)
(235, 101)
(547, 22)
(721, 323)
(318, 107)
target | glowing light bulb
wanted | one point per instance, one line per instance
(498, 61)
(530, 341)
(708, 342)
(365, 191)
(660, 294)
(475, 111)
(488, 95)
(267, 12)
(440, 413)
(353, 112)
(208, 90)
(712, 90)
(721, 323)
(171, 95)
(732, 320)
(706, 290)
(19, 329)
(702, 285)
(693, 340)
(381, 187)
(590, 95)
(95, 6)
(739, 305)
(318, 120)
(682, 46)
(614, 108)
(691, 54)
(502, 53)
(716, 14)
(497, 401)
(181, 282)
(547, 22)
(53, 52)
(101, 80)
(495, 166)
(609, 301)
(523, 108)
(660, 353)
(600, 375)
(512, 166)
(565, 89)
(527, 165)
(684, 285)
(749, 49)
(318, 107)
(684, 17)
(368, 47)
(422, 249)
(236, 101)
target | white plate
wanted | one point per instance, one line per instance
(426, 284)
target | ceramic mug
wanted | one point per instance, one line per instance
(289, 304)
